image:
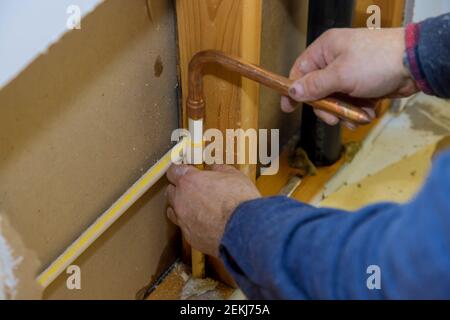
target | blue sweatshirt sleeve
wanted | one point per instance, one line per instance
(427, 54)
(277, 248)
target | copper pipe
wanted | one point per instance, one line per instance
(196, 103)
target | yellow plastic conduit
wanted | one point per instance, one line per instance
(111, 215)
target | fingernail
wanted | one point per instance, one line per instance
(297, 91)
(303, 66)
(286, 105)
(180, 170)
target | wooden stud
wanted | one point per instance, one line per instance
(232, 26)
(392, 13)
(250, 51)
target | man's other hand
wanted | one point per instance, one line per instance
(361, 63)
(202, 201)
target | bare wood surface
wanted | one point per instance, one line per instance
(234, 27)
(392, 12)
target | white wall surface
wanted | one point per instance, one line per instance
(430, 8)
(29, 27)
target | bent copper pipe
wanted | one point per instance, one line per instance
(196, 103)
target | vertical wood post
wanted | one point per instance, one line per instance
(232, 26)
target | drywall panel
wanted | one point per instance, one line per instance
(284, 26)
(77, 127)
(18, 265)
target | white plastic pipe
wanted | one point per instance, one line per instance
(195, 157)
(196, 132)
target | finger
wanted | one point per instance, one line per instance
(288, 105)
(175, 172)
(318, 55)
(170, 195)
(223, 168)
(310, 60)
(172, 215)
(304, 64)
(316, 85)
(327, 117)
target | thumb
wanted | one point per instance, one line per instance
(316, 85)
(175, 172)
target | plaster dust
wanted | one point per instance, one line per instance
(429, 115)
(77, 128)
(8, 280)
(423, 121)
(442, 146)
(179, 285)
(18, 266)
(396, 183)
(395, 160)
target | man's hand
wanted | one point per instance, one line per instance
(361, 63)
(201, 202)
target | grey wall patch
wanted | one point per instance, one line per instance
(18, 265)
(8, 263)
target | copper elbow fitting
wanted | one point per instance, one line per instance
(196, 104)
